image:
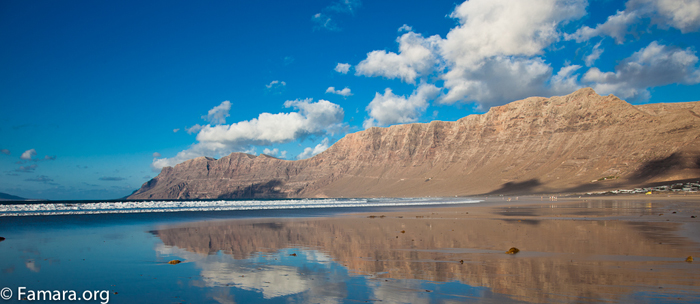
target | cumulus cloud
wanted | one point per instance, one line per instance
(309, 119)
(156, 155)
(680, 14)
(594, 55)
(342, 68)
(53, 157)
(416, 58)
(5, 151)
(27, 155)
(405, 28)
(175, 130)
(27, 169)
(40, 178)
(111, 178)
(654, 65)
(275, 152)
(344, 92)
(309, 152)
(217, 115)
(388, 109)
(487, 84)
(506, 28)
(497, 45)
(615, 27)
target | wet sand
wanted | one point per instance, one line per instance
(618, 249)
(627, 249)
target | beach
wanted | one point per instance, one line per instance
(620, 249)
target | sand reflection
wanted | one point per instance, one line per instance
(560, 259)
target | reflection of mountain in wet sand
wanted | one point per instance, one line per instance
(560, 259)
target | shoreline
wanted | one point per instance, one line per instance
(581, 250)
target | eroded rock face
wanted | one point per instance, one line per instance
(535, 145)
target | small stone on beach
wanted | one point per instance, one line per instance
(689, 259)
(513, 250)
(173, 262)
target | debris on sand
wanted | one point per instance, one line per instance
(293, 254)
(513, 250)
(689, 259)
(403, 231)
(461, 261)
(173, 262)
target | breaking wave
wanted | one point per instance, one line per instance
(62, 208)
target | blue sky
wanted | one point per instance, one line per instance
(96, 97)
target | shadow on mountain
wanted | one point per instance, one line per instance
(657, 167)
(269, 189)
(526, 187)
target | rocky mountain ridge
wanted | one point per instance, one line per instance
(536, 145)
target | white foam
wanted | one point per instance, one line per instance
(220, 205)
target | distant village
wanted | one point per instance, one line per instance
(677, 187)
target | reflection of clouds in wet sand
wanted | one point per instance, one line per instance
(271, 280)
(32, 265)
(397, 291)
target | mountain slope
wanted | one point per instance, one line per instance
(9, 197)
(535, 145)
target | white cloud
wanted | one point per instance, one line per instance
(5, 151)
(175, 130)
(506, 28)
(156, 155)
(324, 22)
(565, 81)
(416, 58)
(275, 84)
(344, 92)
(311, 118)
(217, 115)
(275, 152)
(497, 81)
(491, 57)
(405, 28)
(390, 109)
(654, 65)
(496, 45)
(323, 19)
(309, 152)
(27, 155)
(680, 14)
(194, 129)
(595, 54)
(342, 68)
(615, 27)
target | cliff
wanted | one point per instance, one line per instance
(535, 145)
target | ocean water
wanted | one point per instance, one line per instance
(104, 207)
